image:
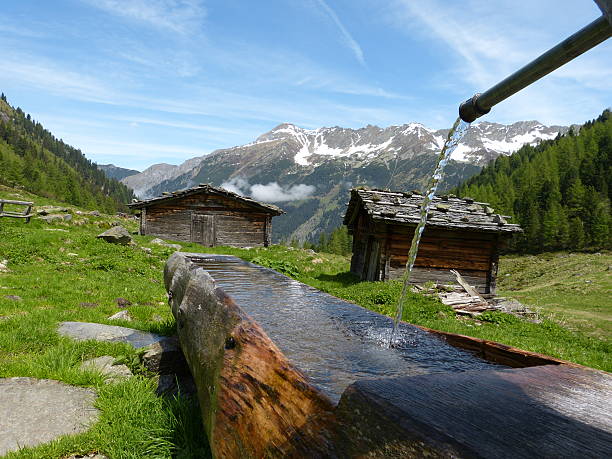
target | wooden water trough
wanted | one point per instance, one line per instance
(258, 402)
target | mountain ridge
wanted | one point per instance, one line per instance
(292, 166)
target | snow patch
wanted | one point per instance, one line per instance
(460, 153)
(516, 142)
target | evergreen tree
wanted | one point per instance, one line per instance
(559, 191)
(31, 157)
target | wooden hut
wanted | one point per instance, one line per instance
(460, 234)
(208, 215)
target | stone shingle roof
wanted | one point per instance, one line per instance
(205, 188)
(446, 211)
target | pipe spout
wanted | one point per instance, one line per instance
(583, 40)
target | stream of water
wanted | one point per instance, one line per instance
(454, 137)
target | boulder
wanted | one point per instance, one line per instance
(121, 315)
(163, 243)
(106, 366)
(123, 303)
(4, 267)
(13, 297)
(165, 357)
(88, 456)
(48, 210)
(173, 385)
(83, 331)
(116, 235)
(52, 218)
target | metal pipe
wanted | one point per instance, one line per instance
(583, 40)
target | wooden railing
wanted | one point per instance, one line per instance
(26, 213)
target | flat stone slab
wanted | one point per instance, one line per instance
(84, 330)
(35, 411)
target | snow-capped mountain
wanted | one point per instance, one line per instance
(307, 171)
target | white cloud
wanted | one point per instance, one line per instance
(181, 16)
(347, 38)
(272, 192)
(236, 185)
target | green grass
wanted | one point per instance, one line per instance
(70, 275)
(574, 288)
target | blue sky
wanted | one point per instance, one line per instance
(138, 82)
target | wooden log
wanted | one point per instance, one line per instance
(254, 402)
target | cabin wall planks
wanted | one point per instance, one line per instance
(460, 235)
(209, 216)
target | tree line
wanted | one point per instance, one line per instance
(559, 191)
(338, 241)
(32, 158)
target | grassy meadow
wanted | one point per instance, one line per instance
(61, 272)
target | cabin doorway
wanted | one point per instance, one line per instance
(371, 269)
(203, 229)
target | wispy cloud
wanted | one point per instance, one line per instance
(132, 150)
(347, 38)
(10, 29)
(180, 16)
(40, 74)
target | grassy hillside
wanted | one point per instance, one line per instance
(35, 160)
(574, 288)
(61, 272)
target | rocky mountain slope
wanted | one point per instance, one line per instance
(308, 172)
(117, 173)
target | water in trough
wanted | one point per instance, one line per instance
(332, 341)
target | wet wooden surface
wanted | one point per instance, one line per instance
(547, 411)
(254, 402)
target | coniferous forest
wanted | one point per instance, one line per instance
(559, 191)
(33, 159)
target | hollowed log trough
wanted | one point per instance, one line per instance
(255, 402)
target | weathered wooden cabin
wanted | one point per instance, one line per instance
(460, 234)
(208, 215)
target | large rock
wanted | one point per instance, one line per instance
(4, 266)
(121, 315)
(173, 385)
(116, 235)
(83, 331)
(48, 210)
(165, 357)
(35, 411)
(106, 366)
(56, 218)
(163, 243)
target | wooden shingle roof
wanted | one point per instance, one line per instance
(207, 189)
(445, 211)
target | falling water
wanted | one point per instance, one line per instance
(454, 137)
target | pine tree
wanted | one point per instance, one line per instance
(559, 191)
